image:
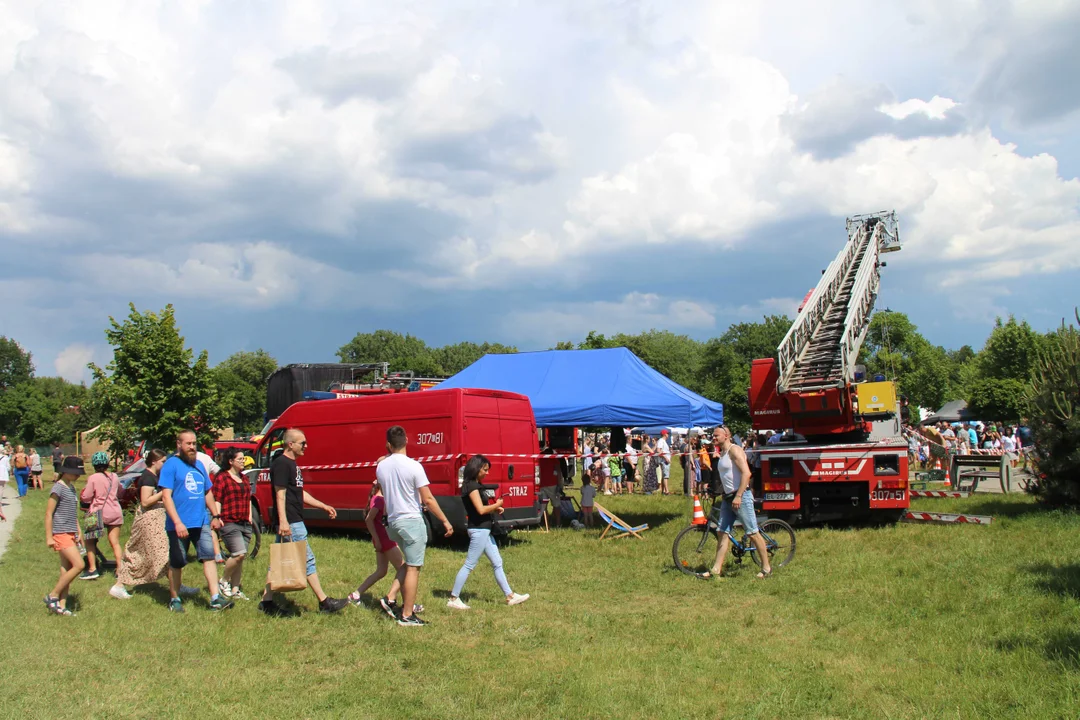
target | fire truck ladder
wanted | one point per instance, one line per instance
(822, 346)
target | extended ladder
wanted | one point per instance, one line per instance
(822, 345)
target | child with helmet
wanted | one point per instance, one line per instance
(104, 517)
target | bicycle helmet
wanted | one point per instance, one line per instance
(99, 458)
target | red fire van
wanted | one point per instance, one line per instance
(448, 426)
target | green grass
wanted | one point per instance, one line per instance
(902, 621)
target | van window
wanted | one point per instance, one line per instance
(270, 449)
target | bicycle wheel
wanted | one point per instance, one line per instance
(694, 551)
(779, 541)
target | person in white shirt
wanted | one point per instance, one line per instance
(405, 488)
(5, 471)
(630, 468)
(664, 450)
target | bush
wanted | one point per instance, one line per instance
(1053, 400)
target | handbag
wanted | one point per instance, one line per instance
(288, 566)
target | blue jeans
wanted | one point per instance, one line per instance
(21, 476)
(746, 514)
(481, 543)
(299, 534)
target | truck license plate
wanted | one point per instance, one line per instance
(780, 497)
(887, 495)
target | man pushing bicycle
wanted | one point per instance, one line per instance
(730, 467)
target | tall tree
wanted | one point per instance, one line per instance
(725, 367)
(895, 348)
(241, 381)
(452, 359)
(45, 409)
(403, 352)
(16, 364)
(674, 356)
(154, 387)
(1005, 366)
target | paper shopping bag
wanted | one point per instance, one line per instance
(288, 566)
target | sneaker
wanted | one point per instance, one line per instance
(119, 592)
(411, 621)
(269, 607)
(516, 599)
(188, 590)
(224, 588)
(332, 605)
(176, 605)
(388, 606)
(456, 604)
(355, 599)
(607, 492)
(417, 609)
(89, 575)
(218, 604)
(238, 594)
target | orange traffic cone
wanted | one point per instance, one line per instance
(699, 513)
(948, 481)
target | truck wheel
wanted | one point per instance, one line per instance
(256, 532)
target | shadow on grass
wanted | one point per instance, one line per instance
(157, 591)
(1061, 580)
(1062, 647)
(1002, 506)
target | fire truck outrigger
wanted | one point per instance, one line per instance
(842, 454)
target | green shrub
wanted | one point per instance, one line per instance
(1053, 400)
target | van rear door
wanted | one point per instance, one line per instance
(518, 431)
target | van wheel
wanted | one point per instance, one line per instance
(256, 532)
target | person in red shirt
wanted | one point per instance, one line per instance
(233, 496)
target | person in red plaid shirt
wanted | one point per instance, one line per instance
(233, 495)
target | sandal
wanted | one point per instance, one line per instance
(709, 574)
(764, 575)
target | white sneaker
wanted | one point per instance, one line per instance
(224, 588)
(607, 492)
(516, 599)
(457, 604)
(188, 590)
(119, 592)
(238, 594)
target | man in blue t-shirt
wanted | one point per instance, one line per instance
(189, 501)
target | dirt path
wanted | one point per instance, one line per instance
(12, 507)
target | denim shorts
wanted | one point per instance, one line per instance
(745, 513)
(178, 546)
(299, 534)
(411, 536)
(236, 537)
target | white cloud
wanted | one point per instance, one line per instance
(203, 152)
(71, 362)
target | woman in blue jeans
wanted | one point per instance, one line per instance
(480, 540)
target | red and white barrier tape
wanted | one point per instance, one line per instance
(938, 494)
(947, 518)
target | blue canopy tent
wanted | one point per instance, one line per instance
(609, 388)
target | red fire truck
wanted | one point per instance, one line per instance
(841, 454)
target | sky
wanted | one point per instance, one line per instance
(288, 174)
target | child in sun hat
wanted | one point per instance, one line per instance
(62, 532)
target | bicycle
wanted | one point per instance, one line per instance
(694, 549)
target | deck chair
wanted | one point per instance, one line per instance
(614, 521)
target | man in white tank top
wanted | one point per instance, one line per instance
(730, 464)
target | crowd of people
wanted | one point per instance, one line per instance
(966, 438)
(186, 500)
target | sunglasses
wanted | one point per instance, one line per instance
(302, 443)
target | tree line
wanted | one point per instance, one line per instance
(155, 384)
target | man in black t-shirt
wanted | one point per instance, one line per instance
(57, 458)
(287, 481)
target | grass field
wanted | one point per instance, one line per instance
(901, 621)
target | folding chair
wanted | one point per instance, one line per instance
(614, 521)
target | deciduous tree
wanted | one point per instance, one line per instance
(241, 382)
(16, 364)
(154, 387)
